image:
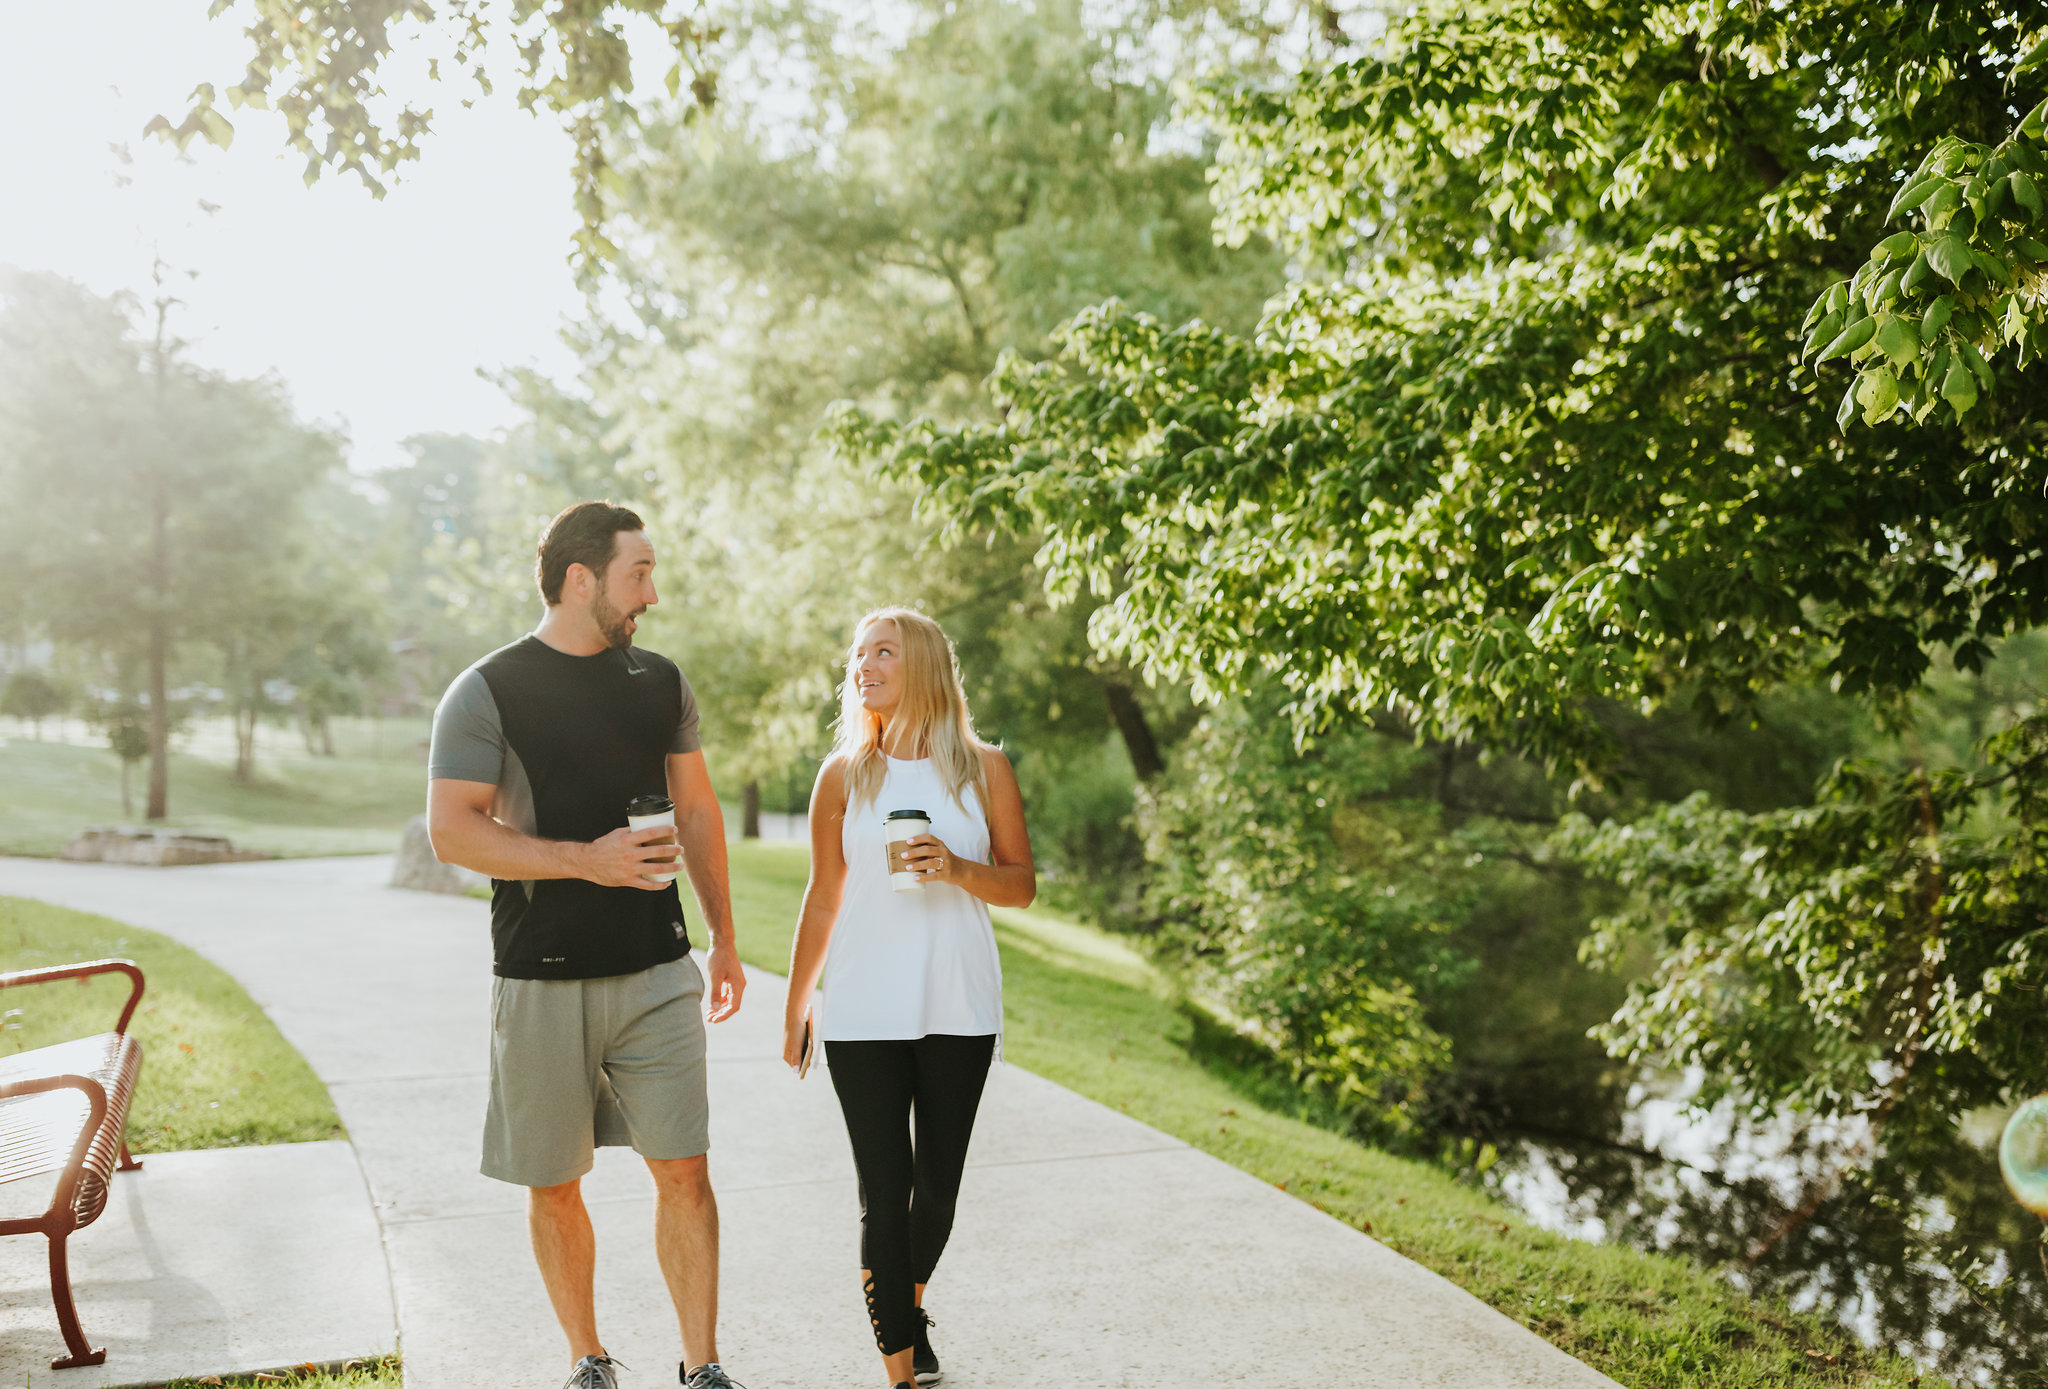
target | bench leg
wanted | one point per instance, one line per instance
(67, 1313)
(129, 1162)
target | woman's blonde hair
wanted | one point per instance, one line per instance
(932, 705)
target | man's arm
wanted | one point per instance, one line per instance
(700, 830)
(463, 832)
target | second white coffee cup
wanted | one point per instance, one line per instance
(898, 827)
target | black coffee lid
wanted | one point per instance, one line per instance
(649, 805)
(906, 815)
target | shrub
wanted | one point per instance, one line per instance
(1309, 901)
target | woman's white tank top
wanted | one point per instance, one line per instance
(908, 964)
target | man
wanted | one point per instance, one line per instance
(597, 1008)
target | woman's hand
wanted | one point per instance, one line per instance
(793, 1025)
(929, 858)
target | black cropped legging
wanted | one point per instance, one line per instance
(907, 1191)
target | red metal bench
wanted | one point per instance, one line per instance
(77, 1136)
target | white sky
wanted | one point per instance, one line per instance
(375, 314)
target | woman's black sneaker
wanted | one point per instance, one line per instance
(923, 1363)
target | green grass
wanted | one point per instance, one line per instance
(215, 1071)
(1083, 1009)
(376, 1372)
(296, 806)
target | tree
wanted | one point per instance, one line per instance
(941, 201)
(1930, 311)
(321, 67)
(148, 505)
(127, 729)
(32, 696)
(1532, 437)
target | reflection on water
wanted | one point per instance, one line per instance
(1924, 1251)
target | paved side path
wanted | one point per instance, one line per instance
(1090, 1251)
(230, 1260)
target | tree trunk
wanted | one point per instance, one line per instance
(159, 719)
(326, 735)
(245, 744)
(1130, 721)
(159, 577)
(750, 810)
(127, 801)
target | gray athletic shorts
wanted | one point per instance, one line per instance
(578, 1064)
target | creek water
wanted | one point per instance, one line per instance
(1922, 1250)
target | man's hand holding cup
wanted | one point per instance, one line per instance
(625, 858)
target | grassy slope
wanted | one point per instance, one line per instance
(296, 805)
(1083, 1010)
(215, 1071)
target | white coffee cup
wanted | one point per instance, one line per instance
(645, 812)
(899, 826)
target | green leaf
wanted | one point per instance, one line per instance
(2028, 247)
(1936, 318)
(1897, 340)
(1959, 389)
(1979, 368)
(1941, 206)
(1950, 255)
(2032, 126)
(1880, 395)
(1974, 194)
(1846, 411)
(216, 128)
(1894, 246)
(1916, 192)
(2033, 56)
(1995, 269)
(1915, 273)
(1850, 338)
(1997, 198)
(2015, 326)
(1823, 332)
(2025, 193)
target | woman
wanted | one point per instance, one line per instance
(912, 1013)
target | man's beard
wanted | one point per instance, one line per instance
(610, 621)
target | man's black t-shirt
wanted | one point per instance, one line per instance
(568, 741)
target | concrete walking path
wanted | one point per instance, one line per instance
(1090, 1250)
(234, 1259)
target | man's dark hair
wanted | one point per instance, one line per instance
(586, 534)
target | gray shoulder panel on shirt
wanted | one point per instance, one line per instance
(686, 727)
(469, 737)
(469, 745)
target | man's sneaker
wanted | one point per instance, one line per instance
(923, 1363)
(594, 1372)
(710, 1375)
